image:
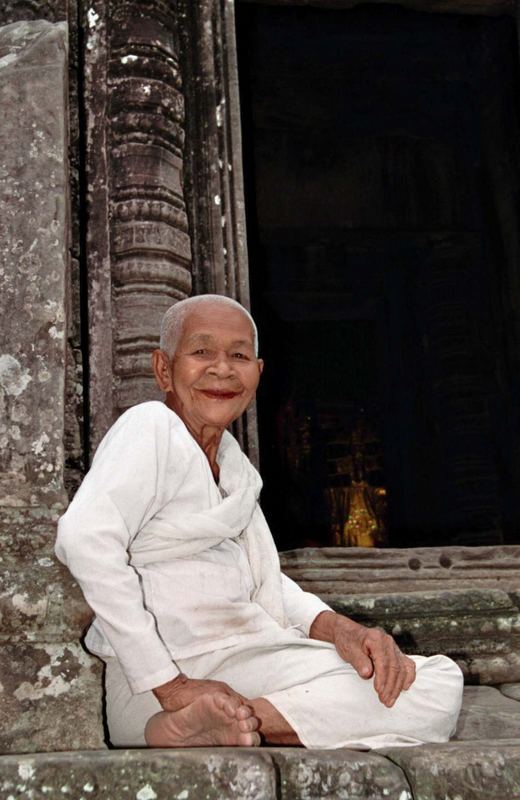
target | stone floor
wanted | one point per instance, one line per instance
(481, 763)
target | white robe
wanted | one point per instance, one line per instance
(216, 606)
(158, 598)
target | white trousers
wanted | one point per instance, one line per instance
(321, 697)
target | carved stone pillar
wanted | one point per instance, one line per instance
(138, 245)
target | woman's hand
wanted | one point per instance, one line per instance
(182, 691)
(371, 651)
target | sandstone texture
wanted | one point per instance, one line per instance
(324, 774)
(479, 629)
(487, 714)
(459, 771)
(51, 698)
(34, 241)
(50, 689)
(225, 774)
(485, 770)
(365, 570)
(510, 690)
(246, 774)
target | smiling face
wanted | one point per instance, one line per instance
(214, 373)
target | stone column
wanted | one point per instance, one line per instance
(138, 247)
(41, 610)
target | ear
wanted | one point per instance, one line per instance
(260, 365)
(162, 370)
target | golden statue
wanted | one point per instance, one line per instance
(358, 509)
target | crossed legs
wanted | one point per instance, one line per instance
(217, 719)
(328, 706)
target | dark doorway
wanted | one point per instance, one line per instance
(381, 163)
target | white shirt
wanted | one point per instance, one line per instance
(146, 470)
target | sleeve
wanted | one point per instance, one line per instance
(301, 607)
(131, 478)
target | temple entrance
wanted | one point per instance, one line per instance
(381, 165)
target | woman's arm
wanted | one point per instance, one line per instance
(301, 608)
(129, 481)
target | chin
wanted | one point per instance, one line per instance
(221, 417)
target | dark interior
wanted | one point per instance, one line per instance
(381, 169)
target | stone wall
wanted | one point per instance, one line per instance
(74, 428)
(49, 686)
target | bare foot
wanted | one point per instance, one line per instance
(211, 720)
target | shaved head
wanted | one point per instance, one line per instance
(173, 320)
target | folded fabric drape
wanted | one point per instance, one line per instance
(234, 515)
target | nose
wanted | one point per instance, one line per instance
(222, 366)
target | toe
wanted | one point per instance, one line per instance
(244, 712)
(250, 740)
(228, 704)
(248, 725)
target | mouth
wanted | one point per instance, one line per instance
(218, 394)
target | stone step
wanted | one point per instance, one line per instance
(372, 570)
(478, 628)
(488, 714)
(484, 770)
(203, 773)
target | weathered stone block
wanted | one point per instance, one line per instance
(27, 534)
(337, 775)
(34, 253)
(364, 570)
(50, 698)
(485, 770)
(487, 714)
(42, 604)
(510, 690)
(479, 629)
(224, 774)
(461, 601)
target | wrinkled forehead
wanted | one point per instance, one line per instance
(217, 321)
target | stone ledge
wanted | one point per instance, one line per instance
(460, 601)
(212, 774)
(365, 570)
(209, 773)
(455, 771)
(337, 775)
(484, 770)
(487, 714)
(479, 629)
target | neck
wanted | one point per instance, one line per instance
(208, 438)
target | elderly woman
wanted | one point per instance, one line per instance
(205, 641)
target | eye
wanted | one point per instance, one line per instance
(240, 356)
(201, 351)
